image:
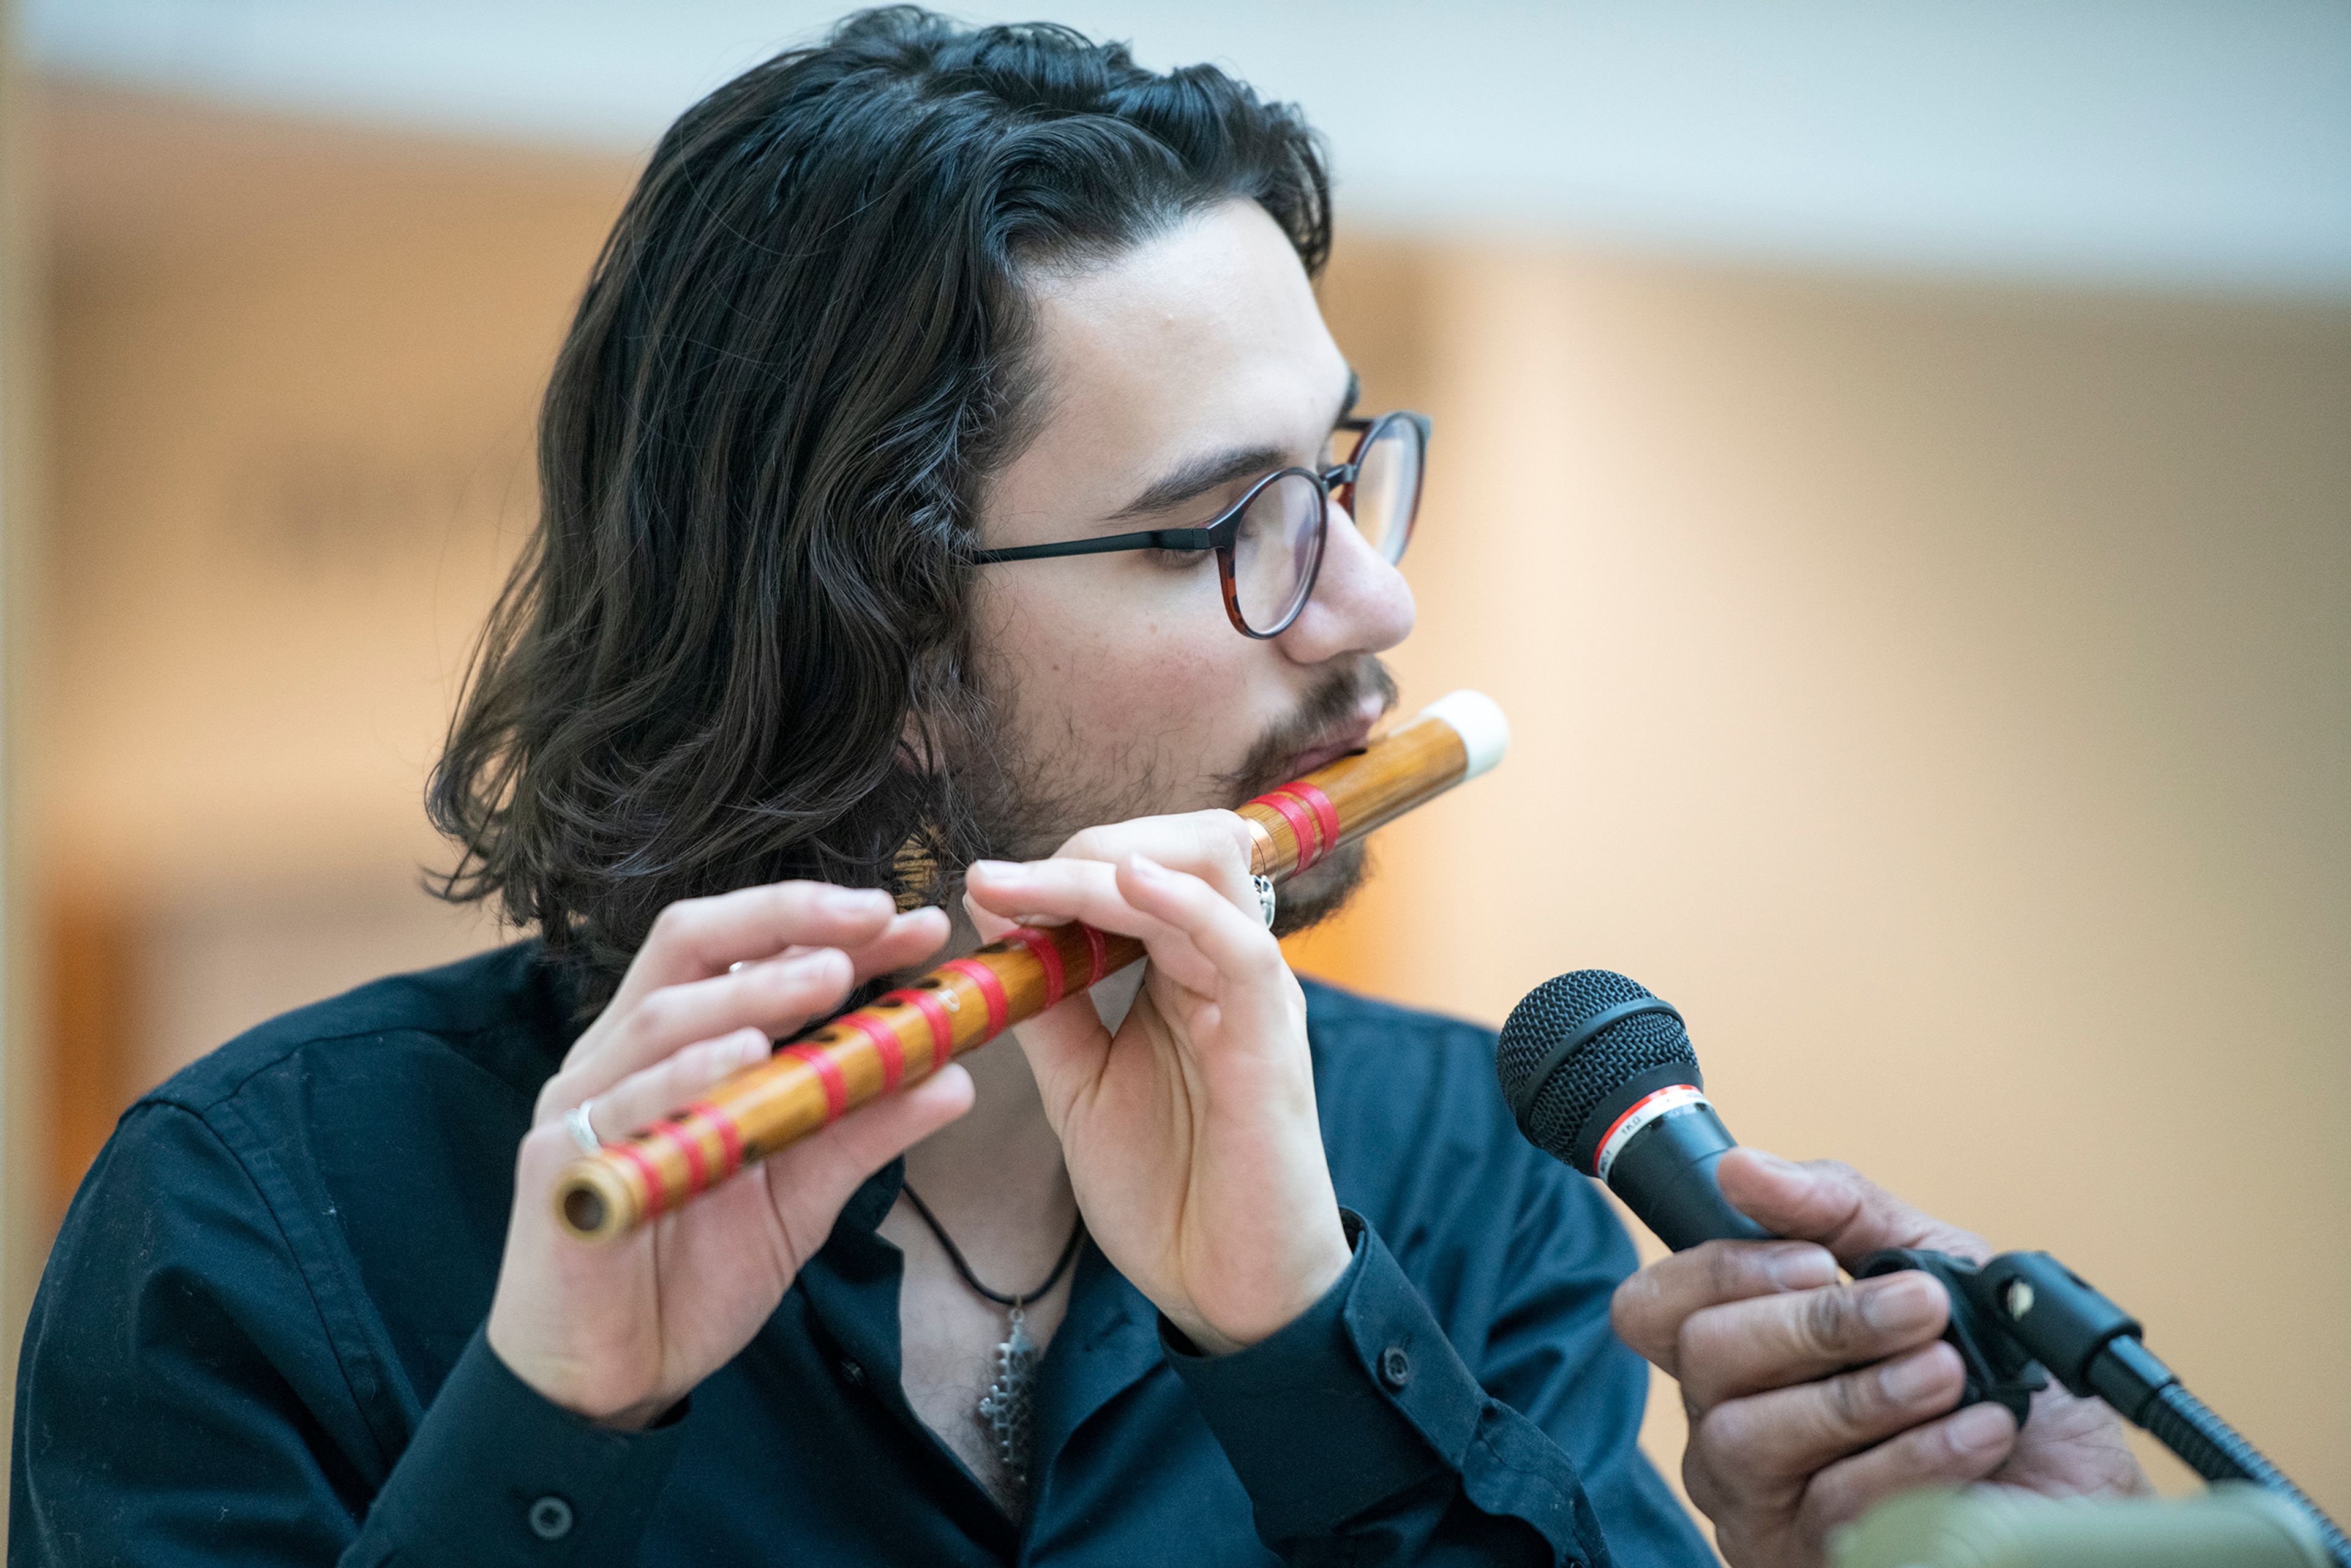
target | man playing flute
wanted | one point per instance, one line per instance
(947, 459)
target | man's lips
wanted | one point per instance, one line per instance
(1338, 743)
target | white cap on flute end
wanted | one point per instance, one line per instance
(1477, 720)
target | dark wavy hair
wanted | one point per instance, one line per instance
(802, 354)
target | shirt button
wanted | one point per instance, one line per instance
(550, 1519)
(853, 1373)
(1395, 1368)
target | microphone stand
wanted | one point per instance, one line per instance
(2024, 1316)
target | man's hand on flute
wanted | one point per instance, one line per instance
(621, 1331)
(1190, 1133)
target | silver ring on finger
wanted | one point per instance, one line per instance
(582, 1130)
(1265, 899)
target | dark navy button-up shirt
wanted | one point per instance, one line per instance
(259, 1342)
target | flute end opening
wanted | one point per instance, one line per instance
(1477, 719)
(592, 1202)
(584, 1209)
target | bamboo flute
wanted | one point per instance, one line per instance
(909, 1033)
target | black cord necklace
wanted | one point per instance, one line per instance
(1006, 1409)
(955, 1254)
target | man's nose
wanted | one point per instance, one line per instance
(1361, 604)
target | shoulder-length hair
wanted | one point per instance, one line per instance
(733, 649)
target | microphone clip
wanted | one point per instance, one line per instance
(1998, 1369)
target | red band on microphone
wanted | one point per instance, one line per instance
(1637, 1116)
(991, 991)
(1097, 955)
(886, 1045)
(827, 1072)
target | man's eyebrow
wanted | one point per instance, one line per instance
(1198, 475)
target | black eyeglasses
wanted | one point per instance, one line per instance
(1269, 545)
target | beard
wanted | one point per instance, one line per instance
(1004, 806)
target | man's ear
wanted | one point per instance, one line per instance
(917, 744)
(940, 710)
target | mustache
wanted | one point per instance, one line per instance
(1336, 700)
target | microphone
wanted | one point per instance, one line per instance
(1600, 1074)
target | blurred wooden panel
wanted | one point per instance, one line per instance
(93, 963)
(297, 377)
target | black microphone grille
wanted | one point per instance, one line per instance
(1553, 1095)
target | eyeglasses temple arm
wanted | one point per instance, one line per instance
(1154, 538)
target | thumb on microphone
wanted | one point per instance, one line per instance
(1832, 1204)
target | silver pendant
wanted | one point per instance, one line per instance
(1005, 1409)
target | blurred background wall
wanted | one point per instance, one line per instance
(1894, 470)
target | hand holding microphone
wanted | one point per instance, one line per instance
(1809, 1400)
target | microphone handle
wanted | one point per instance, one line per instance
(1665, 1172)
(1665, 1175)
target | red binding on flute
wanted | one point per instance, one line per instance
(963, 1003)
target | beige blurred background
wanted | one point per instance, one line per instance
(1939, 686)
